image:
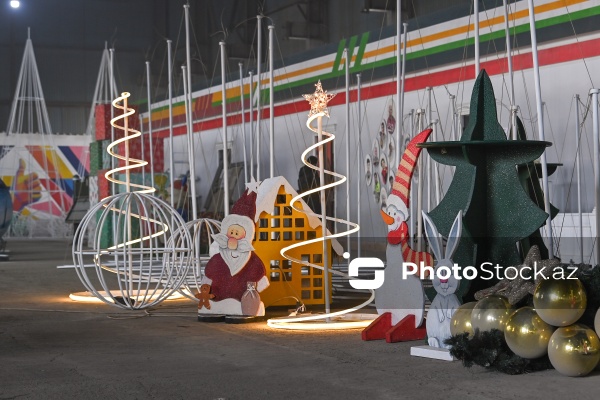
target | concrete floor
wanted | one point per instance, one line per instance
(53, 348)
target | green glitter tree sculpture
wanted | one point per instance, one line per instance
(497, 212)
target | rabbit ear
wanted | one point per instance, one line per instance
(454, 236)
(435, 240)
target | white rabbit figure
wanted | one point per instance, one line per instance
(445, 301)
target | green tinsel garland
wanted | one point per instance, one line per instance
(489, 349)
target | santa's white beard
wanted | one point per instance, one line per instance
(235, 259)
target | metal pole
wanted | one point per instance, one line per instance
(323, 214)
(436, 171)
(538, 100)
(411, 226)
(596, 149)
(192, 181)
(358, 161)
(347, 110)
(143, 149)
(420, 115)
(509, 55)
(251, 97)
(476, 23)
(111, 73)
(243, 121)
(170, 89)
(400, 116)
(399, 70)
(150, 126)
(224, 134)
(428, 165)
(258, 108)
(271, 106)
(190, 143)
(578, 163)
(453, 105)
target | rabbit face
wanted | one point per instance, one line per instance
(444, 286)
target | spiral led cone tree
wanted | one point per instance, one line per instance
(147, 255)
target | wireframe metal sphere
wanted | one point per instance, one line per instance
(131, 260)
(201, 231)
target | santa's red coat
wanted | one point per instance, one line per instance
(225, 286)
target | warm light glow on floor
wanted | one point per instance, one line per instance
(87, 297)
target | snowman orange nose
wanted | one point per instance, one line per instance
(386, 218)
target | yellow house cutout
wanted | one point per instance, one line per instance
(278, 226)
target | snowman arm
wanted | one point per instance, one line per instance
(262, 284)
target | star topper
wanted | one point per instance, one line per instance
(318, 100)
(253, 185)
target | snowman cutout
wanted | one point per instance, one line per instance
(445, 302)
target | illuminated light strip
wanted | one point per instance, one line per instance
(86, 297)
(294, 322)
(130, 163)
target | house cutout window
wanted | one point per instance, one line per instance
(281, 199)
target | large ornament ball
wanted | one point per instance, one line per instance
(597, 322)
(461, 320)
(574, 350)
(526, 334)
(129, 259)
(491, 312)
(560, 302)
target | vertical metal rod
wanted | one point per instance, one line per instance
(347, 112)
(453, 105)
(190, 120)
(258, 102)
(172, 151)
(428, 166)
(420, 116)
(399, 70)
(224, 133)
(436, 170)
(596, 150)
(271, 106)
(150, 126)
(190, 143)
(111, 73)
(411, 226)
(241, 65)
(143, 148)
(358, 161)
(323, 214)
(476, 26)
(251, 97)
(538, 100)
(509, 54)
(400, 116)
(578, 163)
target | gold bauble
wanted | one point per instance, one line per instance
(560, 302)
(491, 312)
(574, 350)
(597, 322)
(461, 320)
(526, 334)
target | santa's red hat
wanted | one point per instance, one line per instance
(242, 213)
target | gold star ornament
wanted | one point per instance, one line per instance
(318, 100)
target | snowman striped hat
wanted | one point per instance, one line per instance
(401, 186)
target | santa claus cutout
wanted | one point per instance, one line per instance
(235, 275)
